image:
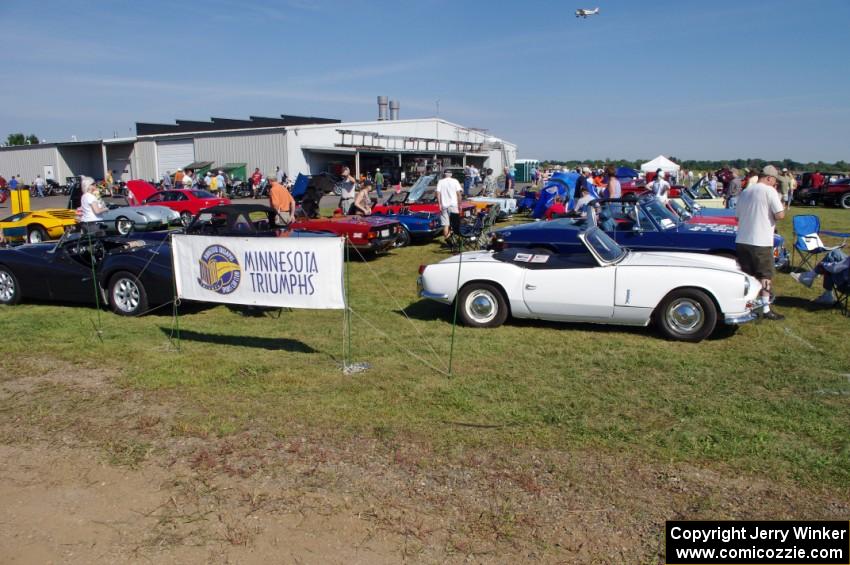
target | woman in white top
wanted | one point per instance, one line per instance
(90, 205)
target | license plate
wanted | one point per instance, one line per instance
(385, 233)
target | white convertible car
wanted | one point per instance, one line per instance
(685, 294)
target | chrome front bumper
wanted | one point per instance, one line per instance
(738, 319)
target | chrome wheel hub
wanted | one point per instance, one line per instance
(482, 306)
(685, 315)
(7, 287)
(126, 295)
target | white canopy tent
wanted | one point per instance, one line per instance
(663, 163)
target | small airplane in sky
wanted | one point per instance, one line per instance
(584, 12)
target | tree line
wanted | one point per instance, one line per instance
(693, 165)
(21, 139)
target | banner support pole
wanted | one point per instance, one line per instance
(457, 301)
(347, 362)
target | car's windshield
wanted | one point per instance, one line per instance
(605, 247)
(660, 213)
(16, 217)
(203, 194)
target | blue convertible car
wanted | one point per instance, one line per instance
(641, 223)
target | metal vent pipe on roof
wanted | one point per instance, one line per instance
(394, 107)
(382, 108)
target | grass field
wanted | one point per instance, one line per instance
(771, 402)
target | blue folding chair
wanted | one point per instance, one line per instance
(807, 241)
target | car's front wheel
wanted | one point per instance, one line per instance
(36, 234)
(687, 314)
(10, 292)
(123, 225)
(482, 305)
(127, 295)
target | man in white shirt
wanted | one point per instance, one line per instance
(758, 209)
(39, 186)
(660, 186)
(449, 196)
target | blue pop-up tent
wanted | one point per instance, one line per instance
(627, 173)
(559, 184)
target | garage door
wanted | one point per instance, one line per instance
(174, 154)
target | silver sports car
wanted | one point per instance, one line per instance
(124, 218)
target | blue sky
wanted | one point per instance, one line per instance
(712, 80)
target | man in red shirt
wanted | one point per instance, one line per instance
(817, 179)
(256, 179)
(557, 207)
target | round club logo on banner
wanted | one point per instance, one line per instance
(219, 270)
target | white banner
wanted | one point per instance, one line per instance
(259, 271)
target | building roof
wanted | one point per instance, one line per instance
(219, 124)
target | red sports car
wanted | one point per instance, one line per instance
(188, 202)
(366, 233)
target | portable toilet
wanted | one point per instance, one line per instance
(524, 167)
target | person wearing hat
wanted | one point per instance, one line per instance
(221, 182)
(449, 196)
(758, 209)
(379, 183)
(784, 186)
(362, 201)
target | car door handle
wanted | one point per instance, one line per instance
(530, 287)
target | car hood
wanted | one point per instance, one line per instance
(673, 259)
(141, 190)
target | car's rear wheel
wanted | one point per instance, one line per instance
(127, 295)
(844, 201)
(123, 225)
(185, 218)
(687, 314)
(10, 292)
(36, 234)
(403, 238)
(482, 306)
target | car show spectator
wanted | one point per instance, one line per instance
(280, 199)
(660, 187)
(91, 206)
(13, 184)
(362, 200)
(278, 174)
(166, 180)
(509, 182)
(612, 186)
(835, 268)
(449, 196)
(582, 204)
(208, 180)
(557, 208)
(712, 183)
(347, 187)
(256, 180)
(467, 179)
(221, 181)
(758, 209)
(784, 186)
(476, 176)
(189, 178)
(730, 197)
(489, 183)
(788, 185)
(178, 178)
(379, 184)
(39, 186)
(816, 179)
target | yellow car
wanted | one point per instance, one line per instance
(38, 225)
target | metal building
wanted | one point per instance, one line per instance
(296, 144)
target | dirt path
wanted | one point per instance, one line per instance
(90, 472)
